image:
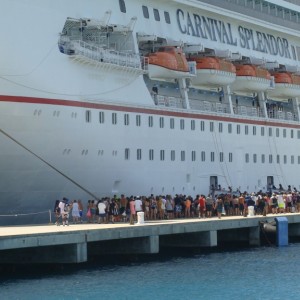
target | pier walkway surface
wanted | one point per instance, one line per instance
(77, 242)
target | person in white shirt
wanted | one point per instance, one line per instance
(138, 204)
(102, 212)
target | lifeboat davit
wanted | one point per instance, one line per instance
(213, 72)
(168, 63)
(287, 85)
(251, 78)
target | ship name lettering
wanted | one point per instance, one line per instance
(266, 43)
(207, 28)
(219, 31)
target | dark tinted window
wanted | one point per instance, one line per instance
(122, 6)
(156, 14)
(167, 17)
(145, 11)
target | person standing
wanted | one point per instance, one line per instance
(102, 212)
(132, 211)
(138, 204)
(202, 206)
(75, 212)
(219, 207)
(80, 207)
(209, 205)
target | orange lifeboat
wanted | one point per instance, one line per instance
(287, 85)
(213, 72)
(168, 63)
(251, 78)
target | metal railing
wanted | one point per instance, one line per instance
(122, 59)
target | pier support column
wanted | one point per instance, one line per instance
(68, 253)
(141, 245)
(195, 239)
(254, 236)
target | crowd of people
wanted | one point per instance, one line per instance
(125, 209)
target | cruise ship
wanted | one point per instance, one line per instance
(109, 97)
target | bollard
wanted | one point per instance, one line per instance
(250, 211)
(140, 217)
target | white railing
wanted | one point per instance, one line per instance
(122, 59)
(167, 101)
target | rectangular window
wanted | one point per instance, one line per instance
(277, 132)
(220, 127)
(299, 160)
(88, 116)
(270, 158)
(230, 157)
(284, 133)
(254, 130)
(193, 124)
(182, 155)
(167, 17)
(298, 134)
(270, 131)
(262, 131)
(150, 121)
(101, 117)
(172, 123)
(246, 130)
(229, 128)
(193, 155)
(221, 156)
(278, 158)
(126, 119)
(161, 122)
(114, 118)
(139, 154)
(162, 154)
(284, 159)
(247, 157)
(127, 154)
(255, 158)
(238, 129)
(156, 14)
(138, 120)
(211, 126)
(292, 159)
(212, 156)
(202, 125)
(292, 133)
(182, 124)
(172, 155)
(202, 155)
(122, 6)
(151, 154)
(263, 158)
(145, 12)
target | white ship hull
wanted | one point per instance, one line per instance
(53, 144)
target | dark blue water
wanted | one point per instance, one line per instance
(256, 273)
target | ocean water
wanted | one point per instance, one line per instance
(252, 273)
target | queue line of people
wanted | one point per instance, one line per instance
(125, 209)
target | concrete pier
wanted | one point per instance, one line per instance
(76, 243)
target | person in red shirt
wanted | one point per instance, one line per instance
(202, 206)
